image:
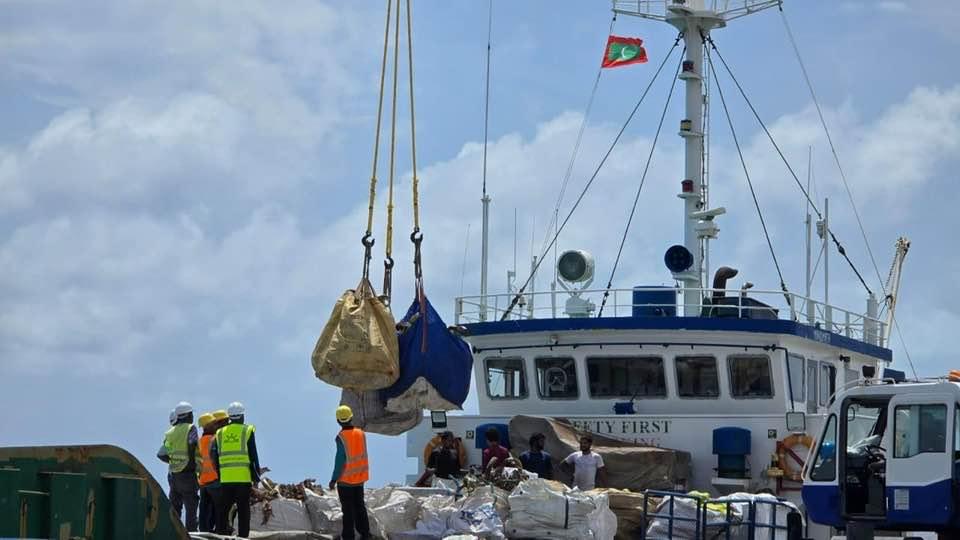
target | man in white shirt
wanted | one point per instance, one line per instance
(587, 466)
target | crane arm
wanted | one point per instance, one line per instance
(893, 284)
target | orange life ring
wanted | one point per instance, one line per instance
(785, 447)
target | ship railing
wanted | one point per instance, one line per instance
(657, 9)
(669, 302)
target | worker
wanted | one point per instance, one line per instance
(494, 451)
(536, 460)
(586, 465)
(179, 451)
(444, 461)
(234, 455)
(350, 471)
(209, 482)
(437, 441)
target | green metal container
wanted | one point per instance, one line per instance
(90, 492)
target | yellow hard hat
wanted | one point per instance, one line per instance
(344, 413)
(220, 415)
(205, 419)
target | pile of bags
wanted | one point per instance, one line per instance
(546, 509)
(536, 508)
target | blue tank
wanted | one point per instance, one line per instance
(661, 302)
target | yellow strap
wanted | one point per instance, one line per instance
(413, 130)
(393, 135)
(376, 138)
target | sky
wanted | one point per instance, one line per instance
(183, 187)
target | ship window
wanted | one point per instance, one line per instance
(556, 377)
(919, 429)
(795, 364)
(825, 466)
(828, 383)
(624, 376)
(850, 375)
(697, 377)
(811, 386)
(506, 378)
(750, 377)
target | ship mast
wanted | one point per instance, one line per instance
(695, 19)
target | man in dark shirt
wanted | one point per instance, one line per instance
(494, 451)
(536, 460)
(444, 461)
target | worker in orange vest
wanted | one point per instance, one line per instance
(350, 471)
(209, 479)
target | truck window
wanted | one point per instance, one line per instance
(557, 377)
(825, 465)
(919, 429)
(697, 377)
(750, 377)
(626, 376)
(506, 378)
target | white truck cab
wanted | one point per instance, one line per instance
(887, 459)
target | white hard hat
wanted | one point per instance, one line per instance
(235, 409)
(183, 408)
(173, 416)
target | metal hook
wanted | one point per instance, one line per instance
(367, 240)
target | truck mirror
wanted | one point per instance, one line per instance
(796, 422)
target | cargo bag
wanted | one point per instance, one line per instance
(435, 364)
(358, 347)
(369, 413)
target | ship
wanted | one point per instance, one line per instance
(688, 366)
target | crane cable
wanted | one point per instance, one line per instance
(833, 237)
(367, 239)
(583, 192)
(643, 179)
(746, 173)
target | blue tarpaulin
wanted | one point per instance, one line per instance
(429, 350)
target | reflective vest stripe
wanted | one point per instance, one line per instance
(356, 468)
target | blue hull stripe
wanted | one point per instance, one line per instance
(759, 326)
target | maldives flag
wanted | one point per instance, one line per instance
(623, 51)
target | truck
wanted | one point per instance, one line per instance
(887, 460)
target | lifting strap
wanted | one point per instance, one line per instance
(388, 252)
(416, 236)
(367, 240)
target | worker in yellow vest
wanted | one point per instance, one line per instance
(179, 451)
(209, 481)
(234, 454)
(350, 472)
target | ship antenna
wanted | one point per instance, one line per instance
(485, 200)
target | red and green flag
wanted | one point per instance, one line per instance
(623, 51)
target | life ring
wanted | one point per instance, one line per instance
(785, 448)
